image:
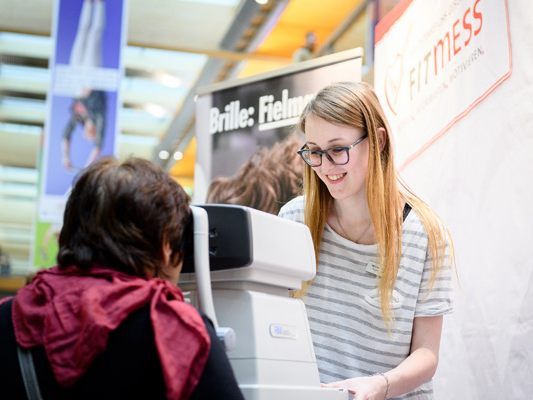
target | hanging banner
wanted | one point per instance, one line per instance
(236, 119)
(434, 62)
(83, 102)
(83, 97)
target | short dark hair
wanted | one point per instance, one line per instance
(119, 215)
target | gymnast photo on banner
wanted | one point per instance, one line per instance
(81, 125)
(88, 109)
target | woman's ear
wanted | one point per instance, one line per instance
(172, 267)
(382, 138)
(167, 255)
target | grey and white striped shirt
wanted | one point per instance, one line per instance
(343, 305)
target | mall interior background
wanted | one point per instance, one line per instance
(476, 177)
(173, 47)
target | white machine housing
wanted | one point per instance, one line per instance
(281, 251)
(272, 356)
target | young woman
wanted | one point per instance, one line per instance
(109, 321)
(383, 277)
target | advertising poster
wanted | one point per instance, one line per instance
(83, 97)
(465, 134)
(82, 105)
(434, 62)
(237, 119)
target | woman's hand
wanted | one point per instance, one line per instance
(363, 388)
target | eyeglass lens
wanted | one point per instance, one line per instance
(337, 156)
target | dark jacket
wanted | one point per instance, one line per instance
(129, 368)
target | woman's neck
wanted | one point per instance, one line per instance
(351, 219)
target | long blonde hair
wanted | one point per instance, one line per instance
(356, 105)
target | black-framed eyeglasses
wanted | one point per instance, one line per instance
(338, 155)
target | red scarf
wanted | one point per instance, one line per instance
(71, 313)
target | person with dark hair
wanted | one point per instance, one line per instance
(269, 179)
(109, 321)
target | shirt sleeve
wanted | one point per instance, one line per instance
(293, 210)
(99, 124)
(96, 109)
(436, 299)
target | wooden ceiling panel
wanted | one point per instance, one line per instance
(171, 24)
(164, 24)
(18, 150)
(26, 16)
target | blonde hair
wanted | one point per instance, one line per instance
(356, 105)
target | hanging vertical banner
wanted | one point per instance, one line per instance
(434, 62)
(83, 101)
(83, 97)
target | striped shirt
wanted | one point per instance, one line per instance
(343, 304)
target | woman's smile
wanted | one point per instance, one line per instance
(337, 178)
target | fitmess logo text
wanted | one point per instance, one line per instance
(435, 60)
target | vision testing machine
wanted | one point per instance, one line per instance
(239, 269)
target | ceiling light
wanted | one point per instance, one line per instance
(163, 155)
(168, 79)
(262, 2)
(178, 155)
(156, 110)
